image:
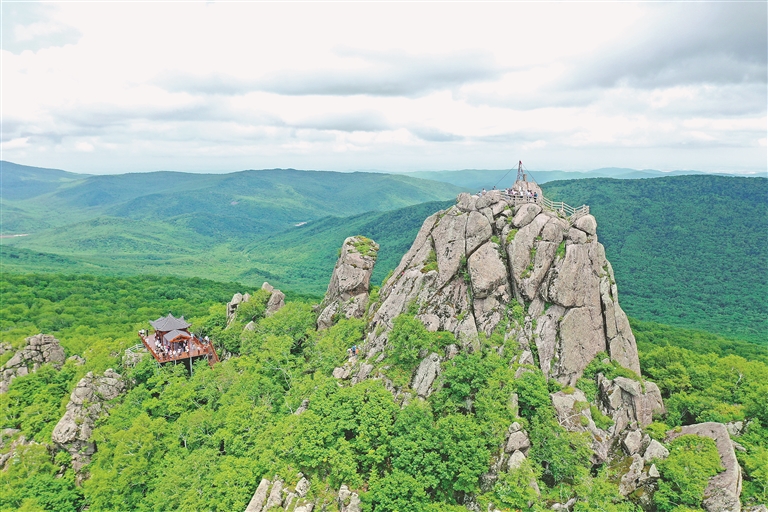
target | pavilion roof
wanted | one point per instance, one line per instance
(170, 336)
(169, 323)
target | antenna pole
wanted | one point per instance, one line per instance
(520, 173)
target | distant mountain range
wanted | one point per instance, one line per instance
(477, 179)
(687, 250)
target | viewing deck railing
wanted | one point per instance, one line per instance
(558, 207)
(197, 348)
(567, 211)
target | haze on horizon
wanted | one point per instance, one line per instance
(218, 87)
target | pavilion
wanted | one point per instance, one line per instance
(171, 342)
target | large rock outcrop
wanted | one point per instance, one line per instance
(87, 403)
(347, 293)
(469, 263)
(39, 350)
(722, 492)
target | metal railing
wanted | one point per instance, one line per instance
(559, 207)
(563, 209)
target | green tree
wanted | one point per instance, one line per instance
(692, 461)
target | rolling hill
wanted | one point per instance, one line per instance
(688, 250)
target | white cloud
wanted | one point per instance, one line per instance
(228, 86)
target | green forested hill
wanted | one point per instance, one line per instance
(217, 207)
(687, 250)
(477, 179)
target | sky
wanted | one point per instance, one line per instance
(216, 87)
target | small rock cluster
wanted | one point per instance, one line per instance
(87, 404)
(9, 434)
(643, 451)
(348, 289)
(274, 304)
(275, 495)
(39, 350)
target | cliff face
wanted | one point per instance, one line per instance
(470, 265)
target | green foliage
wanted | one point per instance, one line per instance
(431, 263)
(705, 387)
(464, 270)
(610, 369)
(532, 260)
(692, 461)
(754, 463)
(600, 493)
(254, 309)
(35, 402)
(31, 481)
(563, 456)
(396, 492)
(329, 349)
(650, 335)
(406, 340)
(364, 246)
(516, 312)
(512, 232)
(533, 394)
(560, 253)
(513, 489)
(601, 420)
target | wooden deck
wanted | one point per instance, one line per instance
(197, 349)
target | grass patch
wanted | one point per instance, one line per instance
(431, 263)
(560, 253)
(602, 421)
(365, 246)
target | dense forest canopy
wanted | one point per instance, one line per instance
(176, 442)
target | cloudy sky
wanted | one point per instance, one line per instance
(121, 87)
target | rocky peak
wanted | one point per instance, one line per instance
(348, 290)
(39, 350)
(472, 263)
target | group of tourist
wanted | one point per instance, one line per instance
(166, 349)
(516, 194)
(523, 194)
